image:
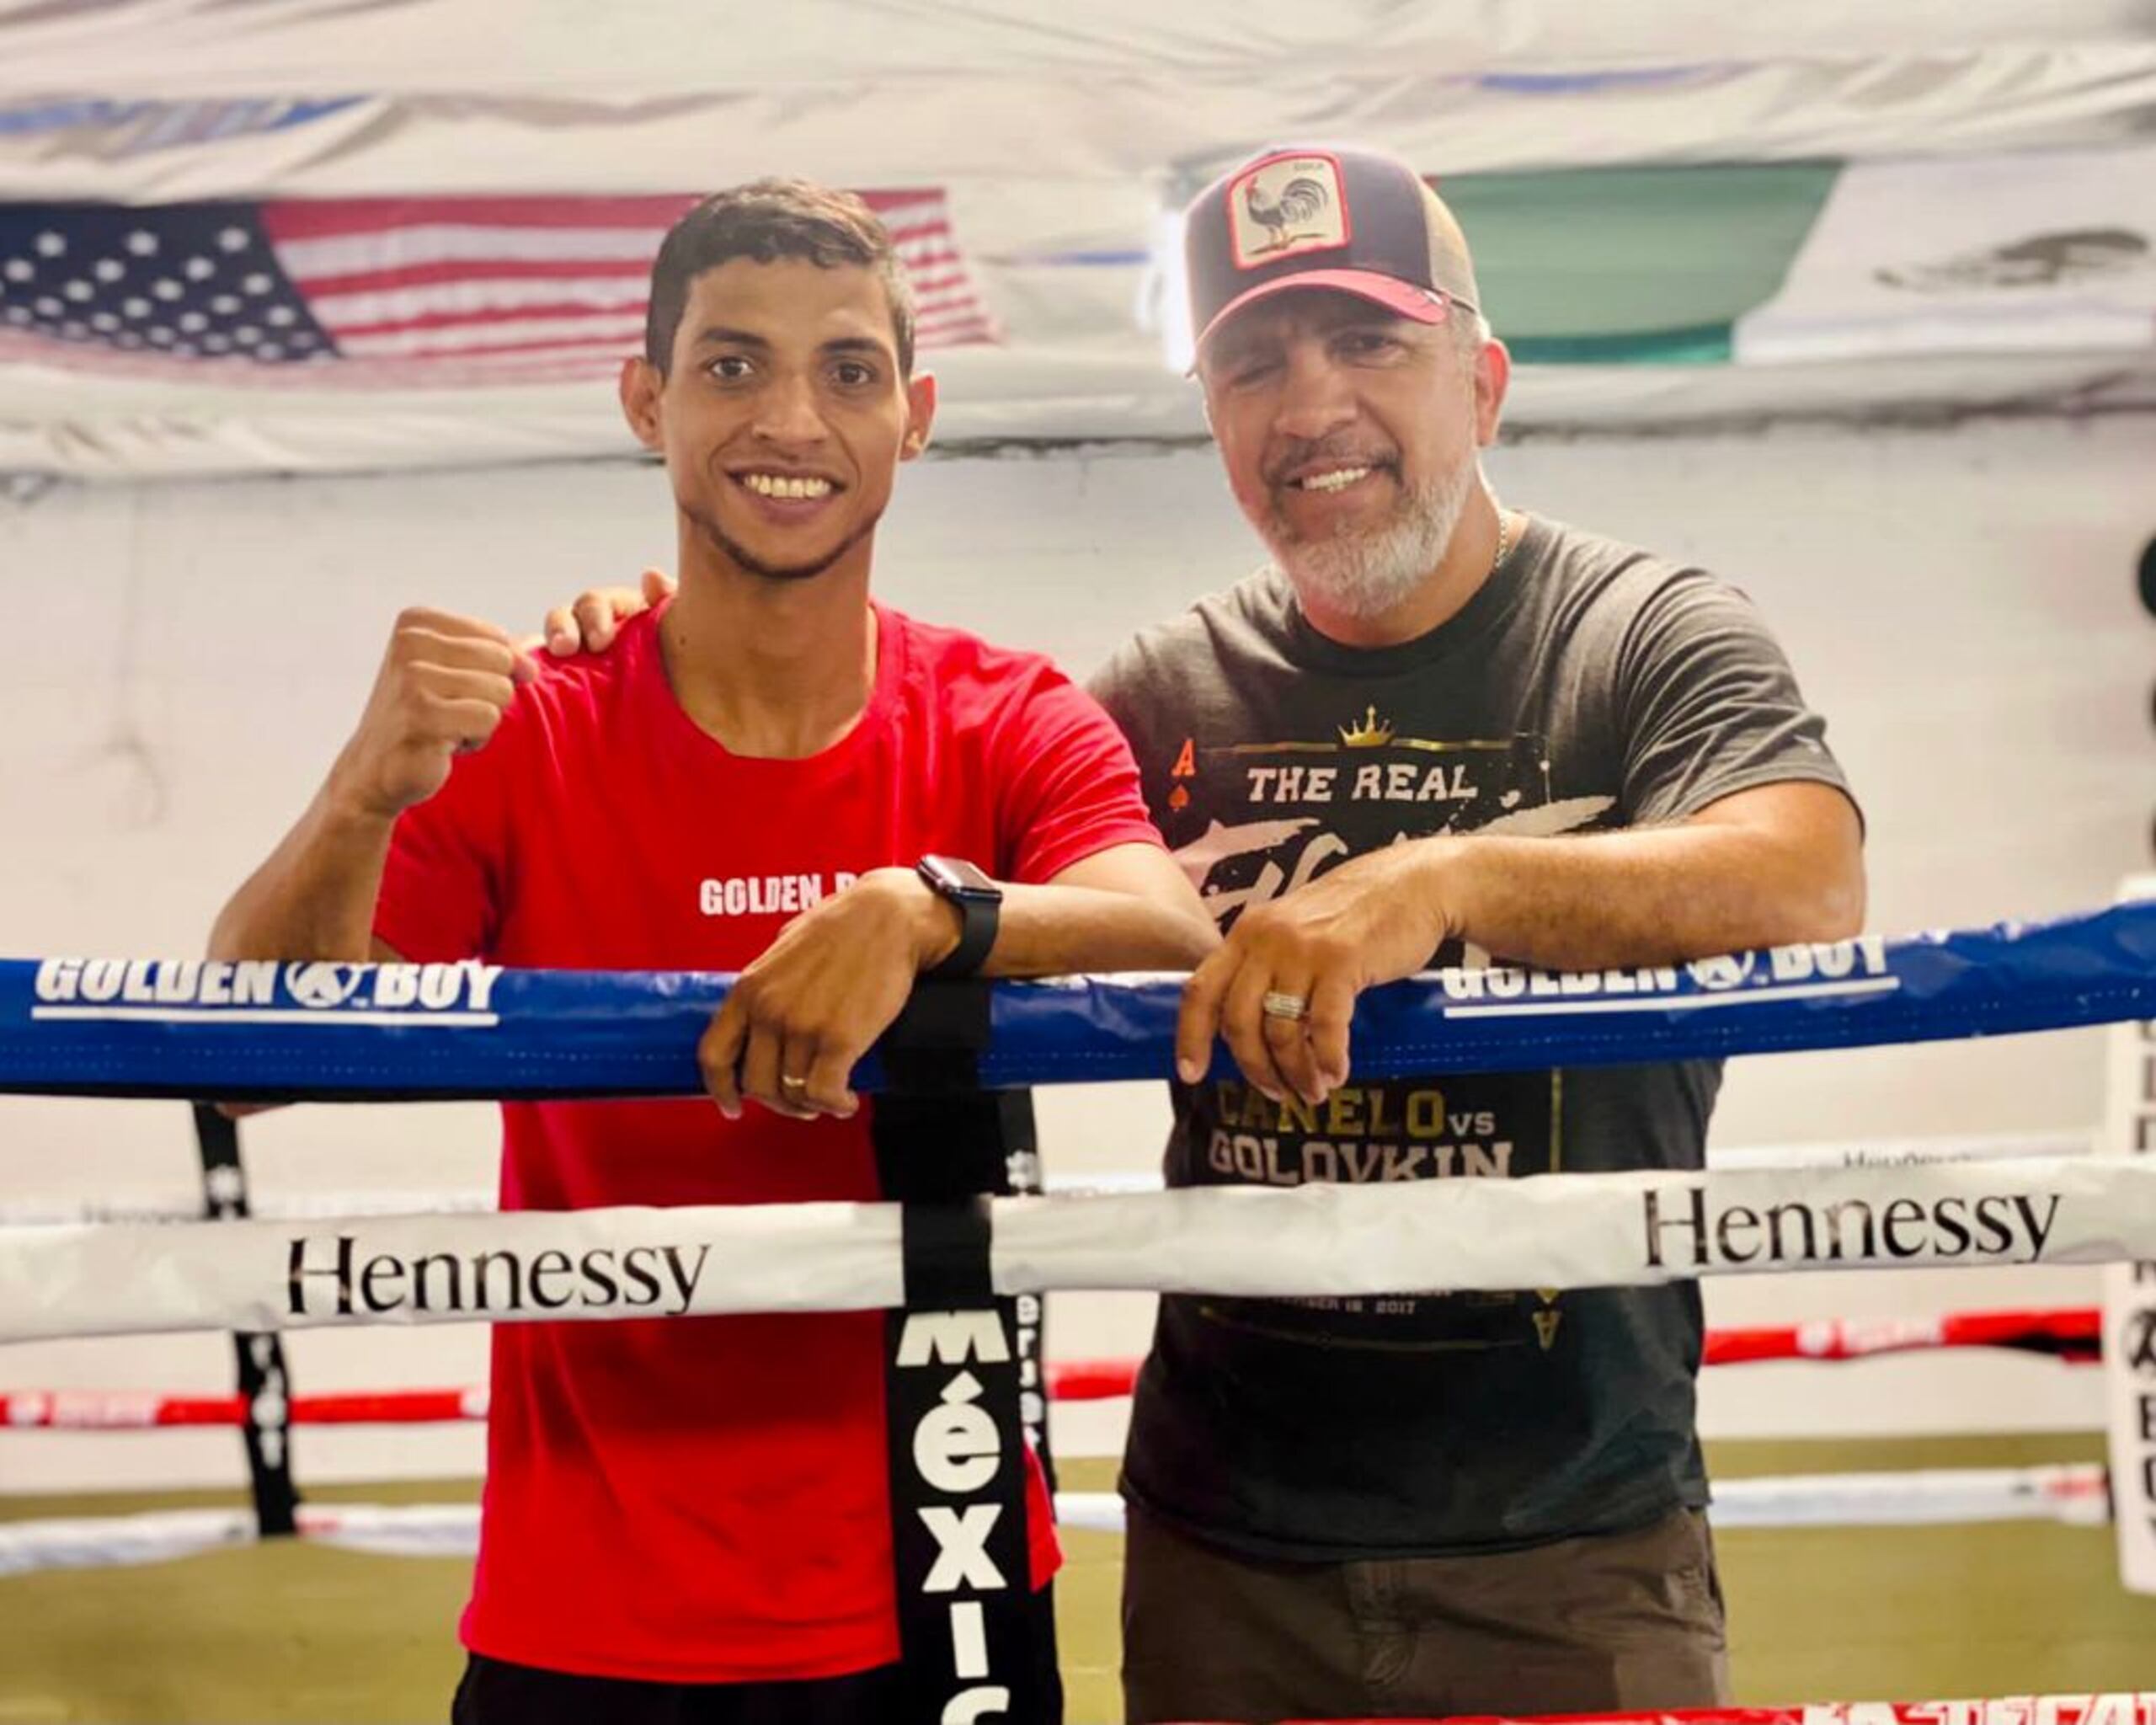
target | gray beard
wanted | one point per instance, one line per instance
(1365, 574)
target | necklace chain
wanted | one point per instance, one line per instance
(1504, 540)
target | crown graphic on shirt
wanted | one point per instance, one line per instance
(1373, 733)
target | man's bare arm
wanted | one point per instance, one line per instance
(314, 896)
(1763, 867)
(1127, 908)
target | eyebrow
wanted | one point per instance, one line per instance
(1233, 346)
(719, 334)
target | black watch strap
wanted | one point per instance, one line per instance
(980, 903)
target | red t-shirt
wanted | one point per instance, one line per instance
(707, 1499)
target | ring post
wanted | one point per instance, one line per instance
(2129, 1348)
(265, 1387)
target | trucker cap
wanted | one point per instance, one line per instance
(1354, 220)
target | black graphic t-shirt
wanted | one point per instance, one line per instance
(1586, 686)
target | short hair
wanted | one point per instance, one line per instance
(767, 220)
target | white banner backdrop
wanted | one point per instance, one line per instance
(1075, 141)
(202, 98)
(657, 46)
(1061, 126)
(2048, 249)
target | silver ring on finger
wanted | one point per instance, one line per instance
(1291, 1007)
(791, 1085)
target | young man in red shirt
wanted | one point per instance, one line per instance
(691, 1518)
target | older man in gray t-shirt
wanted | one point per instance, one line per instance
(1436, 729)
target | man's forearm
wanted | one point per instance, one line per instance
(1051, 931)
(1647, 896)
(314, 898)
(1154, 922)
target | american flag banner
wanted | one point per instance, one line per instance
(384, 292)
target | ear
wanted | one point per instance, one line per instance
(920, 415)
(640, 385)
(1493, 377)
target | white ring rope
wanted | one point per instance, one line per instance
(2077, 1495)
(1902, 1152)
(306, 1206)
(1567, 1231)
(53, 1212)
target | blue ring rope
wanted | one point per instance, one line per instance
(348, 1032)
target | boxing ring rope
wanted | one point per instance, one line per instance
(2134, 1708)
(2071, 1334)
(254, 1029)
(1558, 1230)
(30, 1212)
(2076, 1494)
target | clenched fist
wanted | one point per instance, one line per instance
(443, 686)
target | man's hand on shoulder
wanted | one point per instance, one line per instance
(588, 623)
(445, 683)
(801, 1015)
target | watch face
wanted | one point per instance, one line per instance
(955, 876)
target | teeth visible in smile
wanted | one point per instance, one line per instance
(1337, 480)
(785, 485)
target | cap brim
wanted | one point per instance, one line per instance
(1403, 298)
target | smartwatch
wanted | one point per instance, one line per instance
(980, 902)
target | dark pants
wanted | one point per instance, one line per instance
(1615, 1621)
(494, 1692)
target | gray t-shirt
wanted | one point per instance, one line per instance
(1586, 686)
